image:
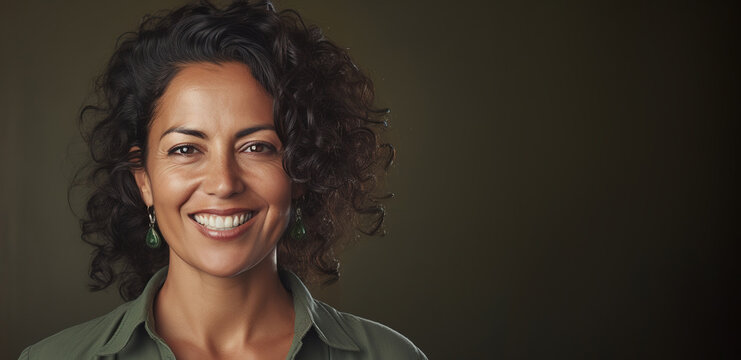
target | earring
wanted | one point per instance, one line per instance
(153, 239)
(298, 231)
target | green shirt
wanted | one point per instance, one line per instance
(320, 332)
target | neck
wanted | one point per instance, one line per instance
(223, 313)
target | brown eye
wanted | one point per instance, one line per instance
(183, 150)
(256, 148)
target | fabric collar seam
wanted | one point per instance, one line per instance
(310, 305)
(126, 319)
(322, 333)
(117, 347)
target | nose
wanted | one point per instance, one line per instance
(223, 178)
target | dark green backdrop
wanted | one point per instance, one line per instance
(566, 178)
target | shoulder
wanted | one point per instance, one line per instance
(81, 341)
(375, 340)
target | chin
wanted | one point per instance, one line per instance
(228, 265)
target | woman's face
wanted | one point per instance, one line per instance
(213, 170)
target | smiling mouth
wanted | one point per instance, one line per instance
(222, 223)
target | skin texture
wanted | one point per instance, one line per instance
(222, 297)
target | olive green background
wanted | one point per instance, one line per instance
(566, 183)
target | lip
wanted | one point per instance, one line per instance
(224, 235)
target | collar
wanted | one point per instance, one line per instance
(308, 313)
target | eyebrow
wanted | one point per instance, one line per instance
(202, 135)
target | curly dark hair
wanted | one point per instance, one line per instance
(324, 115)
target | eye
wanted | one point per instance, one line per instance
(183, 150)
(258, 148)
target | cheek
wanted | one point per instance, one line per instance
(275, 187)
(172, 187)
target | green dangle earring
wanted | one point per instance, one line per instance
(298, 231)
(153, 238)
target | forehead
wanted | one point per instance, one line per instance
(213, 96)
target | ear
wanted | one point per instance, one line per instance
(142, 180)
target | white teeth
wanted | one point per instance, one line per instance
(215, 222)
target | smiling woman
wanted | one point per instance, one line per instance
(214, 171)
(233, 151)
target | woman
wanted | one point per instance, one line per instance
(233, 149)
